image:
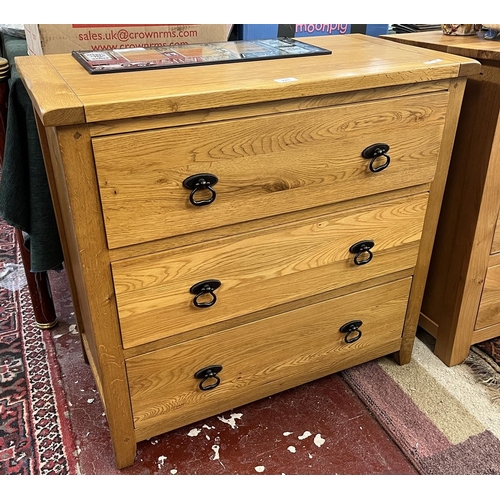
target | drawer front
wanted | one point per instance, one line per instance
(263, 357)
(264, 166)
(495, 247)
(264, 268)
(489, 308)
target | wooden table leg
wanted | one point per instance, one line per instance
(39, 287)
(4, 90)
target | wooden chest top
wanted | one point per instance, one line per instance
(65, 93)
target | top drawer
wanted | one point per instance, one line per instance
(265, 165)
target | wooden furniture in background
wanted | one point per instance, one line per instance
(307, 255)
(461, 304)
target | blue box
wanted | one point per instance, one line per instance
(256, 31)
(259, 31)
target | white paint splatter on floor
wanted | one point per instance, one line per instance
(173, 471)
(260, 468)
(305, 435)
(231, 421)
(287, 433)
(216, 449)
(291, 449)
(161, 461)
(318, 440)
(194, 432)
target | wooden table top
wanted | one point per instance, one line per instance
(474, 46)
(65, 93)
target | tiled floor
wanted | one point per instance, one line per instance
(319, 428)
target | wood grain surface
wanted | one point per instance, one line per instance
(285, 140)
(265, 166)
(165, 394)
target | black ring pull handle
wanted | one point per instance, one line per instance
(200, 182)
(203, 288)
(374, 152)
(210, 372)
(352, 331)
(362, 248)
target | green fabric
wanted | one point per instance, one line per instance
(25, 201)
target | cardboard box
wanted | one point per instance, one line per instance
(60, 38)
(256, 31)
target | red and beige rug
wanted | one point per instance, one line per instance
(35, 432)
(444, 419)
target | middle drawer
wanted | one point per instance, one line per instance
(265, 268)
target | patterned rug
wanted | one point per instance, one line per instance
(35, 433)
(484, 361)
(442, 418)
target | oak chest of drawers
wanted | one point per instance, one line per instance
(461, 304)
(231, 231)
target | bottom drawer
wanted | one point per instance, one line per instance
(495, 246)
(489, 307)
(264, 357)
